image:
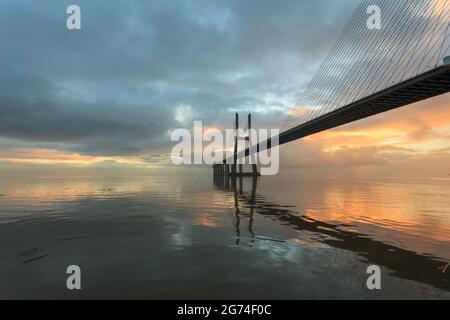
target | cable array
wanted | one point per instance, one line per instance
(413, 39)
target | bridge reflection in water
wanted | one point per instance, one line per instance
(403, 263)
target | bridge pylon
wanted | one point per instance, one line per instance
(237, 169)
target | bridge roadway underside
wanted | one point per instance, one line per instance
(427, 85)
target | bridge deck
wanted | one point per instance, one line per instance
(427, 85)
(422, 87)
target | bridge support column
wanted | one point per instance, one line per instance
(237, 169)
(254, 167)
(235, 145)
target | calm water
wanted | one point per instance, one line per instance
(192, 237)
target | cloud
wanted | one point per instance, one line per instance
(116, 86)
(112, 92)
(313, 154)
(411, 140)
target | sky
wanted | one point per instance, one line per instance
(108, 96)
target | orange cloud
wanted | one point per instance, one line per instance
(414, 138)
(33, 156)
(298, 112)
(426, 122)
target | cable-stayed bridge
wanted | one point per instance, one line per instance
(373, 70)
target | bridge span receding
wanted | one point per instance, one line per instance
(422, 87)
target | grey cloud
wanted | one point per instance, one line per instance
(113, 88)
